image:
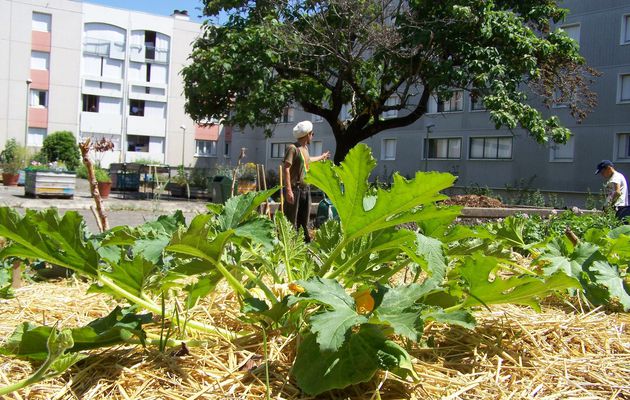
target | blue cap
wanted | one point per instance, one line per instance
(602, 165)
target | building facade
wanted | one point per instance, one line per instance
(100, 72)
(104, 72)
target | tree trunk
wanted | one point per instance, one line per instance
(345, 142)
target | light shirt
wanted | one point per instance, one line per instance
(619, 179)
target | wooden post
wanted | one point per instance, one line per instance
(85, 147)
(16, 274)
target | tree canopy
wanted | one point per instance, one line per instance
(351, 61)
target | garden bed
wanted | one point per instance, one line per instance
(512, 353)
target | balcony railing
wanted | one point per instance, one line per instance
(149, 53)
(103, 48)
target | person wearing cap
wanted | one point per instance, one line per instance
(295, 166)
(616, 188)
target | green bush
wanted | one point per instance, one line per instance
(61, 146)
(14, 157)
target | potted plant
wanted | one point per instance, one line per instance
(104, 182)
(12, 159)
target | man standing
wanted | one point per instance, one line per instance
(616, 188)
(296, 164)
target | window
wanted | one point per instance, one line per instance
(138, 143)
(572, 31)
(41, 22)
(278, 149)
(562, 152)
(136, 107)
(388, 149)
(476, 102)
(452, 104)
(623, 146)
(287, 115)
(40, 60)
(38, 98)
(624, 88)
(391, 102)
(625, 29)
(446, 148)
(149, 44)
(90, 103)
(226, 150)
(491, 148)
(36, 137)
(316, 149)
(206, 148)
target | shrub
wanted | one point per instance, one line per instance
(61, 146)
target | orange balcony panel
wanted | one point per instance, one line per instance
(210, 132)
(228, 133)
(40, 79)
(37, 117)
(40, 41)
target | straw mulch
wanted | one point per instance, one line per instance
(513, 353)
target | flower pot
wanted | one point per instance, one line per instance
(10, 179)
(104, 188)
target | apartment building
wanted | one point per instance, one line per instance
(101, 72)
(457, 136)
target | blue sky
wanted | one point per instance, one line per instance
(160, 7)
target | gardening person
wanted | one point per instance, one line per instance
(616, 188)
(295, 166)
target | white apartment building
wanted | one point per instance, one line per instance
(101, 72)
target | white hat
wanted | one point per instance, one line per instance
(302, 129)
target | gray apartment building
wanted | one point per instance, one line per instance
(457, 136)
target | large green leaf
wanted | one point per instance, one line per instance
(131, 275)
(30, 341)
(397, 308)
(332, 323)
(366, 351)
(347, 187)
(560, 255)
(607, 275)
(44, 236)
(485, 289)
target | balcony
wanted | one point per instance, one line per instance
(101, 123)
(102, 86)
(146, 126)
(148, 91)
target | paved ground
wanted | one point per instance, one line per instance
(122, 208)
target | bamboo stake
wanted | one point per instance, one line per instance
(281, 190)
(264, 177)
(16, 275)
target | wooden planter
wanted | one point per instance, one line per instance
(51, 184)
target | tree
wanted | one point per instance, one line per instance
(374, 56)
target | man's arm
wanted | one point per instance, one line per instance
(287, 183)
(324, 156)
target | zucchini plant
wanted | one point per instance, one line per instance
(347, 303)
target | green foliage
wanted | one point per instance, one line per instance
(61, 146)
(14, 157)
(347, 307)
(265, 58)
(102, 175)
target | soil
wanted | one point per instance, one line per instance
(473, 200)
